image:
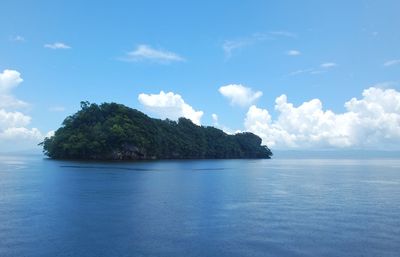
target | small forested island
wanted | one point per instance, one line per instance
(111, 131)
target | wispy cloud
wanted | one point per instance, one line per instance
(229, 46)
(148, 53)
(293, 53)
(17, 38)
(282, 33)
(392, 62)
(328, 65)
(301, 71)
(313, 71)
(57, 45)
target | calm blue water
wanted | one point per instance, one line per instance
(292, 207)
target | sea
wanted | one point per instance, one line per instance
(286, 206)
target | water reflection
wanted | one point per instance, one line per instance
(280, 207)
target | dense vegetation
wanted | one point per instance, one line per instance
(113, 131)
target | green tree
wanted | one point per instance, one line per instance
(113, 131)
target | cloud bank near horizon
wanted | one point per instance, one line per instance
(372, 122)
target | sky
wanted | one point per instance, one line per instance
(300, 74)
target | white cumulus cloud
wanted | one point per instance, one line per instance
(170, 105)
(14, 131)
(239, 94)
(10, 79)
(146, 52)
(22, 133)
(215, 119)
(13, 119)
(57, 45)
(372, 122)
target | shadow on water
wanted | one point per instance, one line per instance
(131, 169)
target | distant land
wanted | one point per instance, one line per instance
(112, 131)
(356, 154)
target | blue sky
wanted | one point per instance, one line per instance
(116, 50)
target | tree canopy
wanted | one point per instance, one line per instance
(111, 131)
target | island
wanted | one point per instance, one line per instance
(112, 131)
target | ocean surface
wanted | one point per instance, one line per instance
(278, 207)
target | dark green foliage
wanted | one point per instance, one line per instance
(113, 131)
